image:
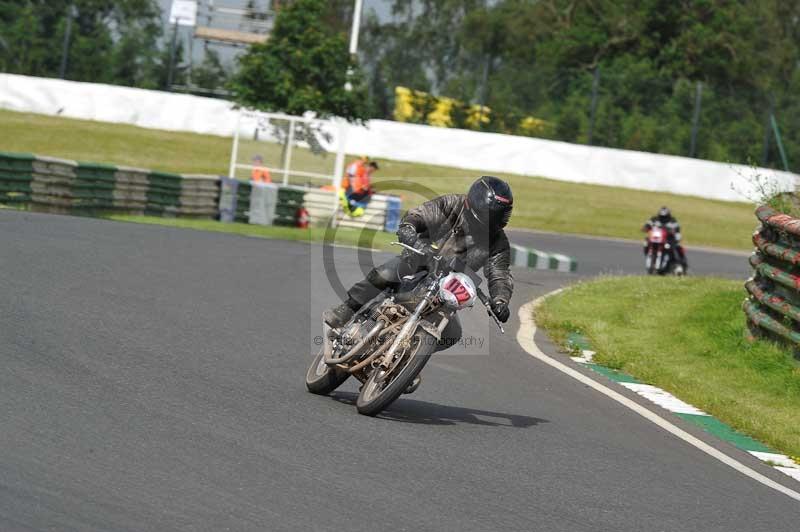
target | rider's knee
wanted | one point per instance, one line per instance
(381, 276)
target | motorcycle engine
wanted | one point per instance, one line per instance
(357, 331)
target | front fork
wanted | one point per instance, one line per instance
(408, 328)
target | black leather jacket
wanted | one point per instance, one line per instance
(441, 221)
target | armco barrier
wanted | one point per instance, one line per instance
(773, 304)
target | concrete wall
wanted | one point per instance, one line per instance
(485, 152)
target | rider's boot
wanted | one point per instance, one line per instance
(339, 315)
(344, 202)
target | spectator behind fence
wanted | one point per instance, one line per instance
(357, 186)
(260, 173)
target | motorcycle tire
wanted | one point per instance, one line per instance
(373, 398)
(322, 379)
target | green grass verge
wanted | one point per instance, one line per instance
(343, 236)
(542, 204)
(686, 336)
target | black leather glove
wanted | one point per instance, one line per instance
(500, 308)
(407, 234)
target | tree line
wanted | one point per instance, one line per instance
(711, 78)
(121, 42)
(646, 58)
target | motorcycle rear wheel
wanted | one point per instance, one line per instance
(322, 379)
(380, 390)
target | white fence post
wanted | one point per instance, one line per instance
(235, 150)
(288, 159)
(338, 168)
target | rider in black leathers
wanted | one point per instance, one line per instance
(469, 226)
(665, 219)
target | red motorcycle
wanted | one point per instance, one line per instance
(660, 253)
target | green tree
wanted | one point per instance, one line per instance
(650, 54)
(111, 41)
(210, 74)
(302, 67)
(161, 67)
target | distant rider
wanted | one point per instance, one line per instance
(469, 226)
(665, 219)
(357, 185)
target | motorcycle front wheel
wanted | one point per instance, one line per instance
(649, 264)
(322, 379)
(383, 387)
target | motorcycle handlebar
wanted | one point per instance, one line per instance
(409, 248)
(481, 295)
(486, 303)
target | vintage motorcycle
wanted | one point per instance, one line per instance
(660, 254)
(390, 339)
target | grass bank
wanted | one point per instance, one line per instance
(343, 236)
(687, 337)
(540, 203)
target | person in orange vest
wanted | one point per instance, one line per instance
(260, 173)
(357, 185)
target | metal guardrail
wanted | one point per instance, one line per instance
(773, 303)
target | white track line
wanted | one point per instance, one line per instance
(662, 398)
(780, 460)
(527, 329)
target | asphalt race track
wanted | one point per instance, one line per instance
(152, 380)
(600, 256)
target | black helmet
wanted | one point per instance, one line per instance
(664, 215)
(488, 205)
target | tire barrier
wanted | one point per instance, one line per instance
(289, 201)
(16, 174)
(62, 186)
(772, 307)
(68, 187)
